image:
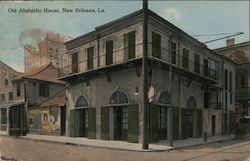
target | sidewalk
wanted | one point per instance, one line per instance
(122, 145)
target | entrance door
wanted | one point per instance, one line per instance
(120, 123)
(82, 121)
(190, 123)
(213, 124)
(63, 120)
(162, 123)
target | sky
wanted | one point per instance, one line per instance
(193, 17)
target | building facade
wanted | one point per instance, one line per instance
(36, 88)
(105, 82)
(50, 50)
(240, 55)
(7, 100)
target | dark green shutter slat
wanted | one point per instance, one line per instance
(131, 45)
(105, 123)
(92, 123)
(126, 49)
(71, 123)
(176, 122)
(153, 123)
(199, 122)
(133, 127)
(184, 123)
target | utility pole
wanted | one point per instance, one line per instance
(145, 103)
(170, 109)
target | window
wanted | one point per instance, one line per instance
(44, 89)
(164, 98)
(6, 80)
(109, 52)
(74, 60)
(173, 53)
(205, 67)
(162, 117)
(10, 95)
(230, 81)
(242, 81)
(226, 79)
(226, 101)
(118, 97)
(156, 45)
(18, 89)
(3, 97)
(129, 45)
(81, 102)
(3, 116)
(213, 69)
(185, 58)
(90, 55)
(125, 118)
(231, 98)
(196, 63)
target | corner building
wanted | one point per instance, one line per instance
(105, 82)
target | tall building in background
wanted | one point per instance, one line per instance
(240, 55)
(50, 50)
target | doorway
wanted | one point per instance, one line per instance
(121, 123)
(82, 123)
(213, 124)
(190, 124)
(162, 122)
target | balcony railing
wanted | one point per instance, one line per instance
(243, 92)
(119, 58)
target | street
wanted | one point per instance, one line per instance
(13, 149)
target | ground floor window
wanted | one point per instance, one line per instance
(3, 115)
(162, 122)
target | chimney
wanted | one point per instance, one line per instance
(230, 42)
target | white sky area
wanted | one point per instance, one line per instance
(193, 17)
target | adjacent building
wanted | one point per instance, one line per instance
(44, 96)
(105, 82)
(50, 50)
(240, 55)
(7, 99)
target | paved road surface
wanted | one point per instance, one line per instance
(27, 150)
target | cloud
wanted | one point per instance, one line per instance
(172, 14)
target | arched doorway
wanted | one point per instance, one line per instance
(164, 101)
(118, 102)
(191, 117)
(81, 107)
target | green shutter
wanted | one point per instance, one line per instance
(126, 49)
(77, 124)
(92, 123)
(72, 123)
(199, 122)
(184, 123)
(133, 123)
(176, 122)
(153, 123)
(131, 45)
(90, 52)
(105, 123)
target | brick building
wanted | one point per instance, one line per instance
(50, 50)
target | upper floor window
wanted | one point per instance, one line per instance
(213, 69)
(10, 95)
(226, 79)
(109, 52)
(196, 63)
(6, 80)
(74, 61)
(242, 81)
(3, 97)
(185, 58)
(129, 45)
(156, 45)
(90, 57)
(173, 53)
(18, 88)
(44, 89)
(230, 81)
(205, 67)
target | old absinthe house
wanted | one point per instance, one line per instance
(105, 83)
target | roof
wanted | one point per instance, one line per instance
(45, 73)
(59, 101)
(16, 72)
(247, 43)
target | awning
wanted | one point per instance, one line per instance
(11, 104)
(56, 101)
